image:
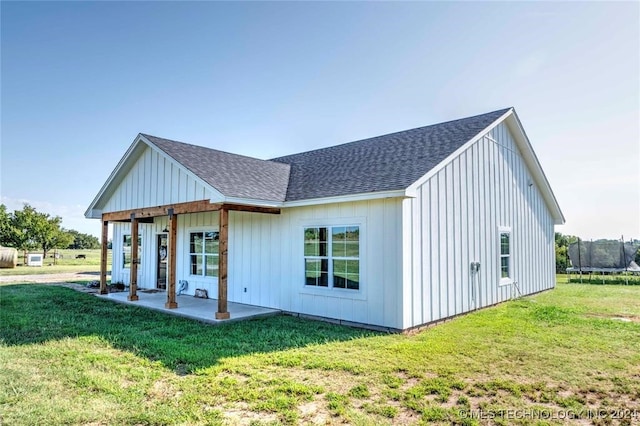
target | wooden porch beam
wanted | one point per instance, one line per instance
(103, 258)
(223, 247)
(183, 208)
(171, 290)
(133, 281)
(178, 208)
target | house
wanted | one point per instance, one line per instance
(396, 231)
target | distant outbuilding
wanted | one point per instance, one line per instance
(35, 259)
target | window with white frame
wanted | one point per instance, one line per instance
(332, 257)
(203, 253)
(506, 272)
(126, 251)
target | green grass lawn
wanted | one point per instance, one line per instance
(67, 263)
(69, 358)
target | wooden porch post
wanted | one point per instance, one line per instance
(133, 281)
(171, 291)
(222, 264)
(103, 257)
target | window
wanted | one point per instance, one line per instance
(126, 251)
(316, 257)
(203, 253)
(505, 256)
(332, 257)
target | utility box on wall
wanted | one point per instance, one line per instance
(34, 260)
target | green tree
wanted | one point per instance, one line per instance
(562, 248)
(21, 235)
(48, 234)
(28, 229)
(5, 227)
(83, 241)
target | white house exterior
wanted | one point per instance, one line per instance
(395, 232)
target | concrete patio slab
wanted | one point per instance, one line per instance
(192, 307)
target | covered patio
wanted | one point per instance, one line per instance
(191, 307)
(220, 306)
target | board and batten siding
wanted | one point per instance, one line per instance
(155, 180)
(455, 219)
(146, 268)
(266, 259)
(378, 302)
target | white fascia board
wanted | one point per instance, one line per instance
(346, 198)
(411, 191)
(218, 195)
(121, 164)
(531, 160)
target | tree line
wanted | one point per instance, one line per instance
(28, 229)
(562, 251)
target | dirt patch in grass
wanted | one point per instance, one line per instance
(240, 414)
(314, 412)
(616, 317)
(162, 389)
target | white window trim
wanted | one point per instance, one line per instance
(140, 248)
(508, 280)
(187, 243)
(122, 246)
(344, 293)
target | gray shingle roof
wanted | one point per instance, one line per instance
(383, 163)
(231, 174)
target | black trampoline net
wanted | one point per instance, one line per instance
(602, 255)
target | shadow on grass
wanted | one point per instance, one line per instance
(31, 314)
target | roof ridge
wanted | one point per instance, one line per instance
(380, 163)
(504, 110)
(146, 135)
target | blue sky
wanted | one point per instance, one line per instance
(80, 80)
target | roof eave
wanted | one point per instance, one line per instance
(93, 214)
(253, 202)
(346, 198)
